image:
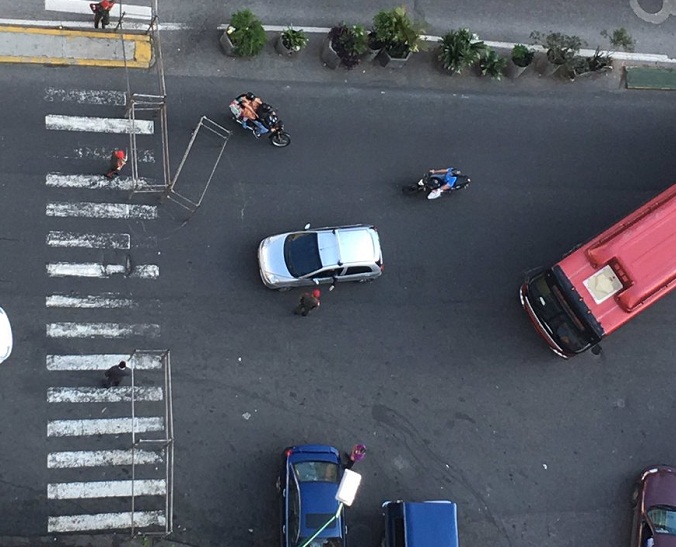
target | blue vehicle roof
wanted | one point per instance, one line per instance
(318, 504)
(431, 524)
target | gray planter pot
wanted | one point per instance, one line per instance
(546, 68)
(370, 55)
(226, 45)
(283, 50)
(329, 56)
(513, 70)
(392, 62)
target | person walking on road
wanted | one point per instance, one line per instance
(356, 455)
(118, 159)
(102, 12)
(115, 374)
(308, 302)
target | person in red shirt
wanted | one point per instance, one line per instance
(102, 12)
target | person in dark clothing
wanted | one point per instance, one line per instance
(356, 455)
(115, 374)
(308, 302)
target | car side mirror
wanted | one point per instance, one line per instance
(307, 226)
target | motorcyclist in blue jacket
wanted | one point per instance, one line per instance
(449, 179)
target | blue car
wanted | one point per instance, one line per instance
(307, 484)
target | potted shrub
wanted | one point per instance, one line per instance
(398, 35)
(244, 36)
(602, 61)
(344, 46)
(290, 42)
(373, 47)
(560, 49)
(491, 64)
(459, 49)
(520, 59)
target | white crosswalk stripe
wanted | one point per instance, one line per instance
(131, 11)
(95, 182)
(89, 241)
(101, 210)
(57, 122)
(101, 330)
(84, 451)
(109, 300)
(101, 458)
(99, 362)
(102, 271)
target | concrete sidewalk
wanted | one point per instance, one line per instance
(58, 46)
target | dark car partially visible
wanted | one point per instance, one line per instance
(654, 500)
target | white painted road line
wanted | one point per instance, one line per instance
(103, 395)
(131, 11)
(86, 96)
(101, 458)
(105, 521)
(103, 361)
(106, 489)
(101, 330)
(95, 182)
(89, 241)
(100, 154)
(101, 271)
(108, 300)
(85, 209)
(99, 125)
(111, 426)
(88, 25)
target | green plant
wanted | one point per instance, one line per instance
(561, 48)
(397, 32)
(491, 64)
(246, 33)
(460, 49)
(598, 62)
(522, 56)
(349, 43)
(620, 39)
(294, 40)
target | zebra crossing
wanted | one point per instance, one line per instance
(109, 449)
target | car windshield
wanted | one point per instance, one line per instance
(301, 254)
(552, 309)
(322, 542)
(316, 471)
(664, 519)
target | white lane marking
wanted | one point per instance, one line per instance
(57, 122)
(103, 361)
(102, 394)
(107, 300)
(101, 153)
(101, 458)
(80, 24)
(111, 426)
(85, 209)
(131, 11)
(105, 521)
(89, 241)
(86, 96)
(101, 330)
(95, 182)
(101, 271)
(105, 489)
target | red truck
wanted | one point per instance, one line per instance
(600, 285)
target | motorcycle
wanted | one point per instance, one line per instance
(431, 183)
(275, 127)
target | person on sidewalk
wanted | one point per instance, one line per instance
(118, 159)
(102, 12)
(308, 302)
(115, 374)
(356, 455)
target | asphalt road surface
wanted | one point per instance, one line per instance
(434, 366)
